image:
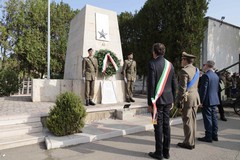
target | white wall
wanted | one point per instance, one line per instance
(45, 90)
(221, 44)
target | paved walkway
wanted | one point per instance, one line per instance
(136, 146)
(228, 148)
(22, 105)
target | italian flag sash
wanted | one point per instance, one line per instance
(159, 89)
(105, 60)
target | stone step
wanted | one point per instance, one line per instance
(22, 140)
(100, 114)
(18, 119)
(20, 129)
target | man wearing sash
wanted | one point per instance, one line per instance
(129, 74)
(188, 99)
(161, 95)
(89, 72)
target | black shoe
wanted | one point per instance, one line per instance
(91, 102)
(215, 138)
(223, 118)
(155, 156)
(128, 100)
(203, 139)
(166, 153)
(166, 156)
(183, 145)
(132, 100)
(87, 102)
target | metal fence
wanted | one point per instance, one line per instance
(26, 87)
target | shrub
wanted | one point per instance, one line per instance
(67, 116)
(9, 83)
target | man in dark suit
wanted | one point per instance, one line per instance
(208, 92)
(163, 103)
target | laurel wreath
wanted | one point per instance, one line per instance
(100, 54)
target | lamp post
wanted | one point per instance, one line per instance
(48, 51)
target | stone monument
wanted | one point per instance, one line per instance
(95, 28)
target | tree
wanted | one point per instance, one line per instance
(25, 27)
(178, 24)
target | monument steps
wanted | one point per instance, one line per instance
(20, 130)
(21, 140)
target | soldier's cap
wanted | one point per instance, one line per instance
(210, 63)
(129, 53)
(186, 55)
(89, 49)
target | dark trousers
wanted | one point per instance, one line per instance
(162, 130)
(210, 121)
(221, 111)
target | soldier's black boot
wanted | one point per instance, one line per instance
(87, 102)
(132, 100)
(128, 100)
(91, 102)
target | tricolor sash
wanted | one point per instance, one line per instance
(105, 60)
(160, 87)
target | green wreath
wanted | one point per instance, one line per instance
(110, 70)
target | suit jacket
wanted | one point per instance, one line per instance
(155, 69)
(186, 74)
(130, 70)
(209, 89)
(90, 68)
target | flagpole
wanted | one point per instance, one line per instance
(48, 51)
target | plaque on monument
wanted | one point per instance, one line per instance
(108, 92)
(102, 27)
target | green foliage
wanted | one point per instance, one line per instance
(9, 83)
(178, 24)
(67, 116)
(100, 56)
(23, 29)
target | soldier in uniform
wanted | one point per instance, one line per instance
(89, 72)
(188, 99)
(129, 73)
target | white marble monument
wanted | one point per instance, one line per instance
(95, 28)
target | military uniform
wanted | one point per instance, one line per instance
(89, 71)
(189, 101)
(129, 73)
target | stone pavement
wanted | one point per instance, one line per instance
(136, 146)
(228, 148)
(22, 105)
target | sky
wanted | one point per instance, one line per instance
(216, 9)
(230, 9)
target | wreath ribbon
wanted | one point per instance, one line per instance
(107, 58)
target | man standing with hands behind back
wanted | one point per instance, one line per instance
(129, 73)
(188, 99)
(89, 72)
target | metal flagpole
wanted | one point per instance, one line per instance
(48, 52)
